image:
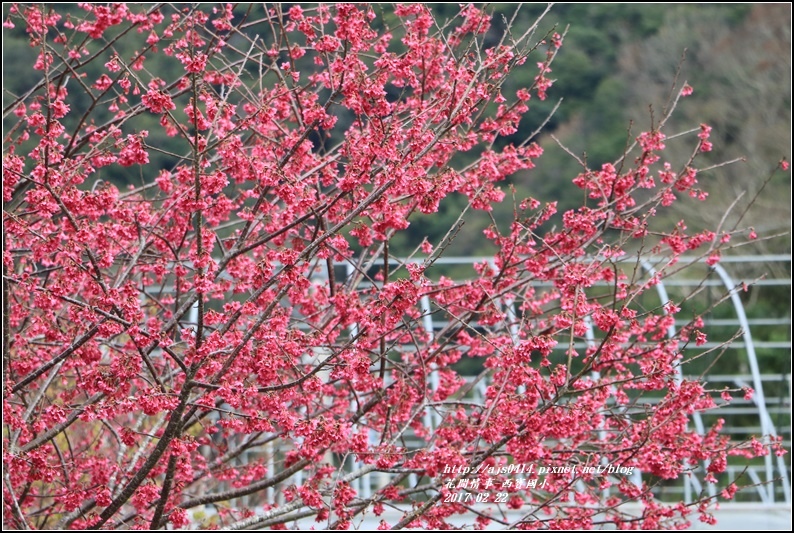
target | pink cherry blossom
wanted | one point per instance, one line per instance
(244, 322)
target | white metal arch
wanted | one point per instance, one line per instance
(766, 489)
(758, 398)
(690, 482)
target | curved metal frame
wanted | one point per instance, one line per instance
(758, 398)
(690, 482)
(765, 490)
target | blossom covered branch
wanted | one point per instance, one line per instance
(193, 341)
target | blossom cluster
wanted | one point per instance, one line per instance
(192, 340)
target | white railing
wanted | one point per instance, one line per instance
(772, 479)
(769, 409)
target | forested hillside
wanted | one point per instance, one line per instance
(612, 78)
(614, 71)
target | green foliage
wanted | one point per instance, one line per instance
(616, 61)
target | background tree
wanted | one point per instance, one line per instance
(239, 322)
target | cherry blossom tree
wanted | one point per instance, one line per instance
(232, 342)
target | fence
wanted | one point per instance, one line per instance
(767, 413)
(769, 407)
